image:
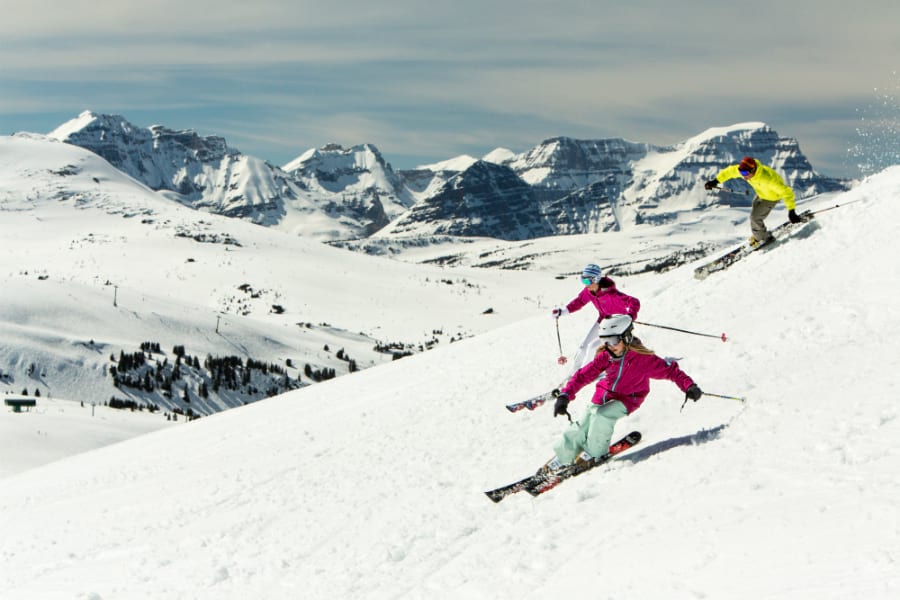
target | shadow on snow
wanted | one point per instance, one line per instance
(695, 439)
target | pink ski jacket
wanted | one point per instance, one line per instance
(627, 378)
(607, 301)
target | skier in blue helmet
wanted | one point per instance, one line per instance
(607, 299)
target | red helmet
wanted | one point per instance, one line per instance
(748, 163)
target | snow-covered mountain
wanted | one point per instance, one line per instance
(567, 186)
(561, 186)
(370, 485)
(112, 290)
(355, 187)
(207, 264)
(324, 194)
(204, 171)
(484, 200)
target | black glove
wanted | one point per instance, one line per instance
(794, 217)
(693, 393)
(562, 404)
(711, 184)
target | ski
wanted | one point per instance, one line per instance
(532, 403)
(732, 256)
(541, 482)
(553, 478)
(502, 492)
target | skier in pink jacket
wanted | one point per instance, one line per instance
(628, 367)
(607, 299)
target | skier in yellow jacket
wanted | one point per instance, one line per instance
(770, 188)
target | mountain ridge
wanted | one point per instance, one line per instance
(562, 186)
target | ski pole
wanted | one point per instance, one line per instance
(730, 191)
(821, 210)
(562, 359)
(721, 337)
(726, 397)
(807, 215)
(714, 396)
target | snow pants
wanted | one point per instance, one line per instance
(758, 213)
(592, 433)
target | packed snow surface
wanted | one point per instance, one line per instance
(370, 485)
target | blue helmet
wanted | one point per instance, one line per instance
(591, 274)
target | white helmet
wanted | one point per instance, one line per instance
(616, 327)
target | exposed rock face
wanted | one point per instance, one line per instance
(330, 193)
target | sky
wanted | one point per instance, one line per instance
(425, 82)
(370, 485)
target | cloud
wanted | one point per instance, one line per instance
(465, 77)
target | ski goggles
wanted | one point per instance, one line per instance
(587, 280)
(610, 340)
(746, 173)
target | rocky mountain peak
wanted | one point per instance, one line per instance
(563, 185)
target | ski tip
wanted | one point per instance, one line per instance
(494, 499)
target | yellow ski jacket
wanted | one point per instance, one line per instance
(767, 184)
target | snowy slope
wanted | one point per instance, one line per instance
(369, 485)
(94, 264)
(56, 429)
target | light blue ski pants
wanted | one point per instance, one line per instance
(592, 433)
